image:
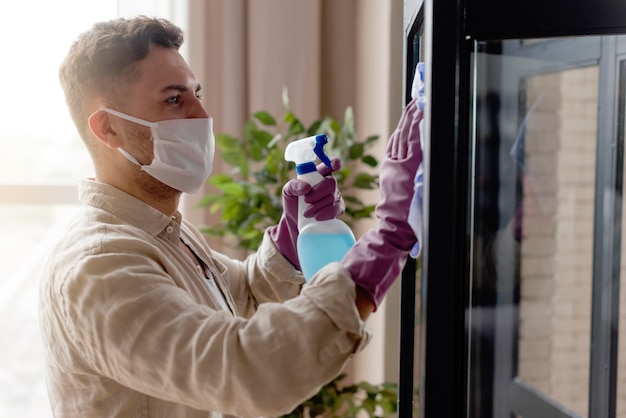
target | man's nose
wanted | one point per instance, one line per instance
(197, 109)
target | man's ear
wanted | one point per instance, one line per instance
(101, 128)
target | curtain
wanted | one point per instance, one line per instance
(329, 55)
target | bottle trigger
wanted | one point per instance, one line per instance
(320, 141)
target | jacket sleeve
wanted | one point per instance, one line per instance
(264, 276)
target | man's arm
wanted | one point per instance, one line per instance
(364, 303)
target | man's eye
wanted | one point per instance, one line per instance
(173, 100)
(199, 96)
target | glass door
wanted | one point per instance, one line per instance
(547, 128)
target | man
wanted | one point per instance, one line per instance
(139, 316)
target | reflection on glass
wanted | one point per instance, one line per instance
(557, 235)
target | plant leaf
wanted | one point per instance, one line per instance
(369, 160)
(260, 138)
(207, 200)
(236, 159)
(255, 151)
(219, 178)
(296, 128)
(351, 199)
(265, 118)
(290, 117)
(364, 181)
(371, 139)
(314, 128)
(356, 150)
(227, 143)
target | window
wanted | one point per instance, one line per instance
(546, 247)
(41, 157)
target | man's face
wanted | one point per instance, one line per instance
(166, 89)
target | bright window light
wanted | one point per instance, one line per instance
(38, 141)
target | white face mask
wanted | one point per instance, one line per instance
(183, 151)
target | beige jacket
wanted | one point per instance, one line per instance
(132, 329)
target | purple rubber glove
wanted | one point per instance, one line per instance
(324, 202)
(379, 255)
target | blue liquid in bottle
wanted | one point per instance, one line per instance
(319, 249)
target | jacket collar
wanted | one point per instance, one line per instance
(130, 209)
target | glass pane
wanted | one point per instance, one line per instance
(557, 235)
(535, 124)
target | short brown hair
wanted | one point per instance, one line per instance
(102, 61)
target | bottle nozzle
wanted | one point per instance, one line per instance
(307, 149)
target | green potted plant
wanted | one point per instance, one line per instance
(337, 401)
(248, 199)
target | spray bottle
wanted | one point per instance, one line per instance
(319, 242)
